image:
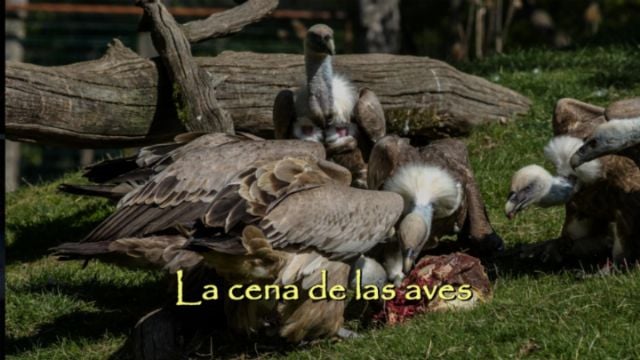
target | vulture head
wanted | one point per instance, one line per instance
(319, 41)
(429, 192)
(533, 185)
(608, 138)
(529, 185)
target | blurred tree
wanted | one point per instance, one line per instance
(379, 25)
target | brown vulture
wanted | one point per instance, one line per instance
(601, 197)
(152, 219)
(440, 194)
(284, 223)
(328, 109)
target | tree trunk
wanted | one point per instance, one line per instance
(123, 100)
(380, 22)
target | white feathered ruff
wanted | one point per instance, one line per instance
(421, 185)
(559, 151)
(344, 99)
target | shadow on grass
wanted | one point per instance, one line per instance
(34, 239)
(121, 306)
(78, 325)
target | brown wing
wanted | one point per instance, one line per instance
(284, 114)
(623, 109)
(339, 221)
(576, 118)
(181, 193)
(297, 204)
(389, 153)
(473, 219)
(369, 115)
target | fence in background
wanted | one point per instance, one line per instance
(48, 33)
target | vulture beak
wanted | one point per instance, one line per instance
(413, 235)
(408, 260)
(590, 150)
(331, 47)
(516, 201)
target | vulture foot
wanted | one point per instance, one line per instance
(550, 251)
(347, 334)
(488, 245)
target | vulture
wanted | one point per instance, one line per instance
(258, 211)
(440, 195)
(154, 219)
(601, 196)
(620, 135)
(279, 224)
(328, 109)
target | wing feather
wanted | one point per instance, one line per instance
(337, 220)
(182, 193)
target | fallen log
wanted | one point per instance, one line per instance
(123, 99)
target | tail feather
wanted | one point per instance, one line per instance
(75, 251)
(113, 192)
(107, 170)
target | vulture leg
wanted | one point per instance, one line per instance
(284, 114)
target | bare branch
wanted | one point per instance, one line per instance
(229, 21)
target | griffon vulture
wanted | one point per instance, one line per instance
(328, 109)
(279, 223)
(602, 196)
(440, 196)
(152, 220)
(620, 135)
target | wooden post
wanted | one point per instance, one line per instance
(14, 50)
(193, 87)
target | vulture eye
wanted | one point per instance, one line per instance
(327, 37)
(592, 143)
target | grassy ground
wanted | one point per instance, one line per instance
(56, 310)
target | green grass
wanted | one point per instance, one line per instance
(58, 310)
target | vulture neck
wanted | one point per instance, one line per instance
(319, 73)
(559, 193)
(426, 213)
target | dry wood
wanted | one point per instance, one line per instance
(123, 100)
(229, 21)
(193, 87)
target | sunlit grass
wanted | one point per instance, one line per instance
(59, 310)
